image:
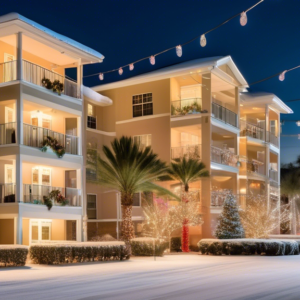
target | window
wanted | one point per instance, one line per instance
(143, 140)
(142, 105)
(91, 160)
(136, 199)
(91, 120)
(41, 176)
(91, 206)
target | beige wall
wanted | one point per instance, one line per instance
(58, 230)
(25, 235)
(6, 231)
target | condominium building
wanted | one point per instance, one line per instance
(199, 109)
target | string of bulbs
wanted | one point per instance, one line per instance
(178, 48)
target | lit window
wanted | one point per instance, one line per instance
(136, 199)
(142, 105)
(91, 206)
(90, 110)
(143, 140)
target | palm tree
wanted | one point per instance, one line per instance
(290, 186)
(130, 169)
(187, 170)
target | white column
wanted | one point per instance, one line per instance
(19, 57)
(79, 134)
(19, 120)
(19, 179)
(79, 78)
(79, 230)
(18, 229)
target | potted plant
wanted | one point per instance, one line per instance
(52, 143)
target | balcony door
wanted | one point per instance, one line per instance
(40, 231)
(9, 72)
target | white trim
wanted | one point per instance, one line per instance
(101, 132)
(221, 167)
(226, 126)
(143, 118)
(224, 76)
(189, 117)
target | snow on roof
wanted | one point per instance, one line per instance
(180, 69)
(15, 16)
(95, 97)
(262, 98)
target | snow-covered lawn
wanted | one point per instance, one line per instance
(171, 277)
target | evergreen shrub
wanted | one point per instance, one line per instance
(176, 244)
(13, 255)
(145, 247)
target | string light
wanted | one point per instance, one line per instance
(152, 60)
(203, 42)
(101, 76)
(179, 51)
(282, 76)
(243, 19)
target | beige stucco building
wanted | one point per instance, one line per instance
(199, 108)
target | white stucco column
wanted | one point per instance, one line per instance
(19, 56)
(79, 78)
(19, 179)
(18, 225)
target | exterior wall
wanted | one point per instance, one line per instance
(6, 231)
(26, 229)
(58, 230)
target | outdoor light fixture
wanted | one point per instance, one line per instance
(179, 51)
(243, 19)
(282, 76)
(238, 163)
(203, 40)
(131, 67)
(101, 76)
(152, 60)
(120, 71)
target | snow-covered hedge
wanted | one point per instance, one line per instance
(145, 246)
(13, 255)
(248, 247)
(78, 252)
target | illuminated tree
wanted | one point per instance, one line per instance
(187, 170)
(130, 169)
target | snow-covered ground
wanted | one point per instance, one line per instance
(171, 277)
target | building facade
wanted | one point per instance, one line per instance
(199, 109)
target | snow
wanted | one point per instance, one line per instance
(82, 244)
(95, 97)
(15, 16)
(173, 277)
(5, 247)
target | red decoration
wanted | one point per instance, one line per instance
(185, 236)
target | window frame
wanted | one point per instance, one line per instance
(140, 135)
(142, 104)
(90, 118)
(96, 206)
(140, 200)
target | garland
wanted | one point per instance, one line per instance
(57, 148)
(56, 85)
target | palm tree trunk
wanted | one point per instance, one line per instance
(127, 225)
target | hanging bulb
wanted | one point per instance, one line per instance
(179, 51)
(282, 76)
(152, 60)
(243, 19)
(101, 76)
(131, 67)
(203, 40)
(120, 71)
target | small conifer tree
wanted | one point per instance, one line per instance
(229, 224)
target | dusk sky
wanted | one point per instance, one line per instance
(127, 30)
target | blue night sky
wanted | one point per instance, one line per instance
(126, 30)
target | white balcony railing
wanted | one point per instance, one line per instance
(223, 114)
(218, 198)
(253, 131)
(7, 193)
(223, 156)
(8, 133)
(273, 175)
(188, 151)
(256, 166)
(186, 107)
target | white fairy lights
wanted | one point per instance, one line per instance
(178, 48)
(282, 76)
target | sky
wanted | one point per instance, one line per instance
(127, 30)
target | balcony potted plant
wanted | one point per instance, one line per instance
(53, 144)
(57, 87)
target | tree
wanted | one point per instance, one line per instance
(260, 219)
(130, 169)
(187, 170)
(229, 224)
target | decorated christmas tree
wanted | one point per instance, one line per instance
(229, 224)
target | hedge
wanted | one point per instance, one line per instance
(176, 244)
(248, 247)
(145, 246)
(62, 253)
(13, 255)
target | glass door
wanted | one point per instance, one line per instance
(40, 231)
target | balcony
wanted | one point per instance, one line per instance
(35, 74)
(218, 198)
(7, 193)
(273, 175)
(8, 133)
(223, 156)
(35, 194)
(253, 131)
(223, 114)
(256, 166)
(273, 139)
(188, 151)
(34, 136)
(185, 107)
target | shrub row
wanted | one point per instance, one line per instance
(248, 247)
(78, 252)
(13, 255)
(145, 246)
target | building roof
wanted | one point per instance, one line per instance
(262, 99)
(95, 97)
(201, 65)
(37, 29)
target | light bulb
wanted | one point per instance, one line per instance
(152, 60)
(179, 51)
(101, 76)
(243, 19)
(120, 71)
(131, 67)
(203, 40)
(282, 76)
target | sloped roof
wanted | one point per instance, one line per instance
(95, 97)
